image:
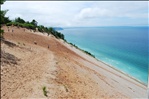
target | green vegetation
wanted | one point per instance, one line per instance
(1, 33)
(44, 91)
(2, 2)
(88, 53)
(19, 20)
(81, 49)
(3, 19)
(33, 25)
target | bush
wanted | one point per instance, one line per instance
(82, 50)
(9, 24)
(28, 26)
(25, 25)
(44, 91)
(20, 24)
(1, 33)
(40, 28)
(19, 20)
(88, 53)
(32, 25)
(13, 23)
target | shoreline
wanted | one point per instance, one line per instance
(112, 67)
(123, 73)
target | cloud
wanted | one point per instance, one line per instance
(126, 9)
(114, 13)
(92, 13)
(79, 13)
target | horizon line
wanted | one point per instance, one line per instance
(99, 26)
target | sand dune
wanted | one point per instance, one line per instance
(65, 71)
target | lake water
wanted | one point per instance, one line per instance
(125, 48)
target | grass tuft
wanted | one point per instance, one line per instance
(44, 91)
(66, 88)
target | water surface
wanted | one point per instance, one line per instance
(125, 48)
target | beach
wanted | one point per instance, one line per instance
(64, 70)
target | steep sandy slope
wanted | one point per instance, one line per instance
(64, 71)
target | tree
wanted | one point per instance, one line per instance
(19, 20)
(51, 30)
(40, 28)
(2, 17)
(2, 2)
(34, 22)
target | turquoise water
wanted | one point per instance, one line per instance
(125, 48)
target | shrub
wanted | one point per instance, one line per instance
(82, 50)
(44, 91)
(1, 33)
(9, 24)
(19, 20)
(13, 23)
(88, 53)
(29, 26)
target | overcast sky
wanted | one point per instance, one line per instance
(80, 13)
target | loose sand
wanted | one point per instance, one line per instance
(65, 71)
